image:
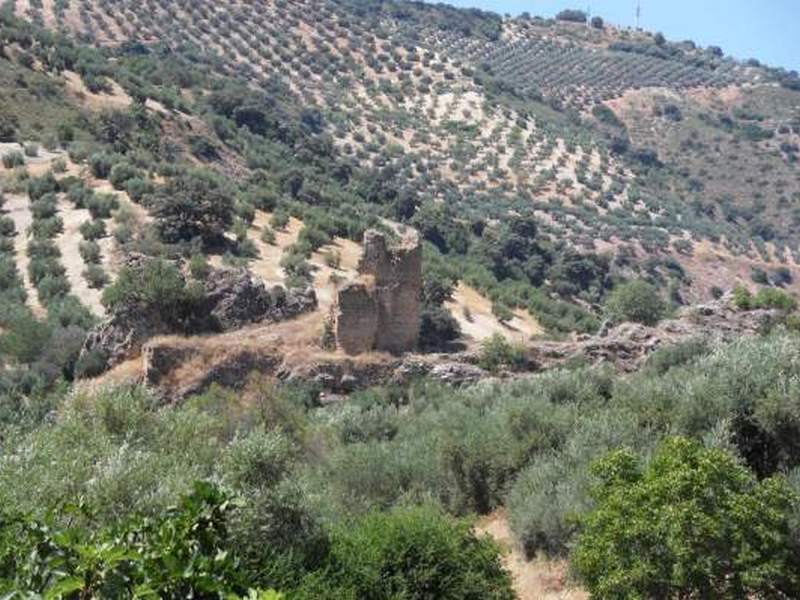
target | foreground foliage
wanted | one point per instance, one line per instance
(183, 553)
(312, 481)
(693, 523)
(189, 551)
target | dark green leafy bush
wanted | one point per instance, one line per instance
(636, 301)
(194, 205)
(414, 553)
(693, 523)
(154, 286)
(497, 352)
(764, 298)
(184, 552)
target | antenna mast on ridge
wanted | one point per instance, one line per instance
(638, 13)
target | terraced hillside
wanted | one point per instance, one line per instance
(660, 160)
(184, 191)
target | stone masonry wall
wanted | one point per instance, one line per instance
(381, 309)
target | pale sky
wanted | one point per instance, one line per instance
(768, 30)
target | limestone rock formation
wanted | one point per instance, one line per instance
(232, 299)
(628, 345)
(235, 298)
(380, 310)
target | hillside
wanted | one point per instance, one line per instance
(676, 162)
(318, 296)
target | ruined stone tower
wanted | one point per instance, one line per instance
(380, 310)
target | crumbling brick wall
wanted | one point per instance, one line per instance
(381, 309)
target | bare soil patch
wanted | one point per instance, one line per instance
(69, 243)
(18, 208)
(473, 312)
(539, 579)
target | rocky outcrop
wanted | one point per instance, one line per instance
(232, 298)
(120, 337)
(343, 376)
(628, 345)
(381, 309)
(179, 367)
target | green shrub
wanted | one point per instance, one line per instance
(96, 276)
(93, 230)
(184, 552)
(52, 287)
(279, 220)
(7, 227)
(693, 523)
(69, 312)
(102, 205)
(40, 267)
(25, 339)
(121, 173)
(45, 229)
(155, 285)
(90, 252)
(415, 553)
(14, 159)
(194, 205)
(79, 194)
(765, 298)
(552, 492)
(59, 166)
(636, 301)
(261, 459)
(676, 355)
(742, 298)
(45, 207)
(437, 328)
(40, 186)
(774, 298)
(138, 188)
(268, 235)
(42, 249)
(100, 165)
(497, 352)
(199, 267)
(91, 364)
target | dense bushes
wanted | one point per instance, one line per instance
(414, 553)
(190, 551)
(636, 301)
(764, 298)
(194, 205)
(526, 444)
(694, 523)
(154, 285)
(126, 457)
(185, 552)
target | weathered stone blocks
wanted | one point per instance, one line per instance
(380, 310)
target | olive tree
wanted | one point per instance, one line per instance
(193, 205)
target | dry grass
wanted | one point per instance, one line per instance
(267, 265)
(118, 98)
(474, 313)
(540, 579)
